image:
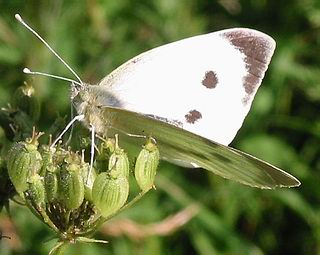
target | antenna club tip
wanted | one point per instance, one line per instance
(26, 70)
(18, 17)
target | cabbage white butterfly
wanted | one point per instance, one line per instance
(191, 96)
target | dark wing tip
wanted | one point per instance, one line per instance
(250, 40)
(258, 49)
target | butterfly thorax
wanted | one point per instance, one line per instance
(90, 101)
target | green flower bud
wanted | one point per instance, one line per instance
(47, 157)
(25, 100)
(51, 183)
(88, 179)
(24, 161)
(146, 166)
(23, 124)
(71, 187)
(119, 164)
(36, 192)
(60, 156)
(111, 144)
(109, 194)
(105, 149)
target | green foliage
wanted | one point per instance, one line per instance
(283, 126)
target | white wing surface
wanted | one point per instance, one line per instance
(204, 84)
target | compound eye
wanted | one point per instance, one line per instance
(75, 89)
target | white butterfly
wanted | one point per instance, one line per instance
(192, 97)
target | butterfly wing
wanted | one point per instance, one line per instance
(188, 94)
(182, 145)
(204, 84)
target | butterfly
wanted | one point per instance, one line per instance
(191, 96)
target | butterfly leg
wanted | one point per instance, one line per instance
(71, 131)
(91, 150)
(77, 118)
(129, 134)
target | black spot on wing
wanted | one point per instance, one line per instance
(258, 49)
(210, 80)
(193, 116)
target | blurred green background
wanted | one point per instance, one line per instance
(192, 211)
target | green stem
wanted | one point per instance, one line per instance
(41, 214)
(45, 218)
(134, 200)
(59, 248)
(48, 221)
(102, 220)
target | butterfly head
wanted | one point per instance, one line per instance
(89, 100)
(80, 96)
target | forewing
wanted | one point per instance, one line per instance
(205, 84)
(182, 145)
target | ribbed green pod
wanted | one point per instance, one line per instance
(24, 99)
(119, 164)
(51, 183)
(36, 191)
(109, 194)
(146, 166)
(88, 180)
(23, 161)
(47, 157)
(71, 187)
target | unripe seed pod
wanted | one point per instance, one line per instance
(47, 158)
(24, 161)
(71, 188)
(25, 100)
(24, 123)
(88, 180)
(51, 183)
(105, 149)
(146, 166)
(60, 156)
(111, 144)
(119, 164)
(109, 194)
(36, 192)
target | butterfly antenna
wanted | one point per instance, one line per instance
(28, 71)
(18, 17)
